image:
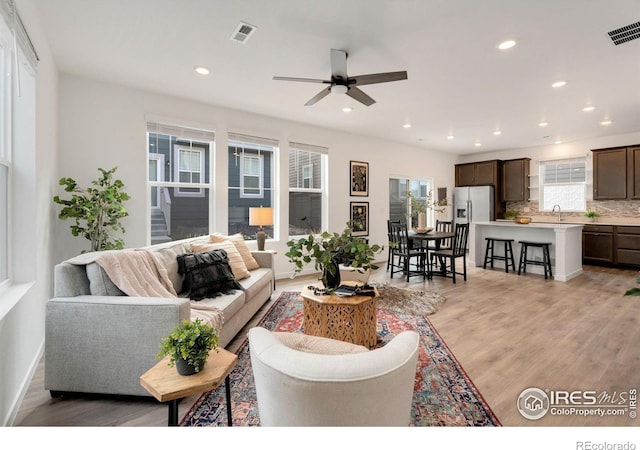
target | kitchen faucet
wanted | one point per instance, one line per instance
(559, 212)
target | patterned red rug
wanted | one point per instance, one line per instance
(444, 395)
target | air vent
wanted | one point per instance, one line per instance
(625, 34)
(243, 32)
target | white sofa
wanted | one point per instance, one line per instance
(98, 340)
(363, 388)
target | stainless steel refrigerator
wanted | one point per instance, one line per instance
(473, 204)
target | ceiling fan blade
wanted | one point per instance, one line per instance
(305, 80)
(339, 64)
(319, 96)
(374, 78)
(357, 94)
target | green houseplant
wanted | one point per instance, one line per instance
(188, 346)
(328, 250)
(593, 215)
(511, 214)
(96, 210)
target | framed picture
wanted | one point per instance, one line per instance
(359, 218)
(359, 178)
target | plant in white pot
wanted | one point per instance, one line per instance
(188, 346)
(328, 251)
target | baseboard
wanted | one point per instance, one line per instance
(15, 407)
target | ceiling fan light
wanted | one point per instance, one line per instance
(339, 89)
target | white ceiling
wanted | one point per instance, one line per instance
(458, 81)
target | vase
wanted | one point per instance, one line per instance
(184, 368)
(331, 280)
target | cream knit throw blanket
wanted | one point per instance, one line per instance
(140, 273)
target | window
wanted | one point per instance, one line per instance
(306, 188)
(405, 207)
(179, 181)
(563, 183)
(251, 181)
(5, 166)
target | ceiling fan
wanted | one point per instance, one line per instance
(341, 83)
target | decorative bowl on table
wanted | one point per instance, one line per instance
(424, 230)
(523, 220)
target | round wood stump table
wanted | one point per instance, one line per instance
(350, 319)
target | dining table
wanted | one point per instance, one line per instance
(436, 237)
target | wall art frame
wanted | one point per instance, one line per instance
(359, 218)
(359, 178)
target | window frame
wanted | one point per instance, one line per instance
(6, 132)
(583, 184)
(322, 153)
(178, 192)
(260, 176)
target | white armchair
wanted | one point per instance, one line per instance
(299, 388)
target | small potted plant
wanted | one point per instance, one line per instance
(328, 251)
(511, 214)
(592, 215)
(188, 346)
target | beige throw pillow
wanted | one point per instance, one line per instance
(236, 263)
(318, 344)
(241, 245)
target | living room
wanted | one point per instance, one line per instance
(83, 122)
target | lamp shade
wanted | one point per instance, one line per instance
(261, 216)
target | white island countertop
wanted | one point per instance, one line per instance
(565, 240)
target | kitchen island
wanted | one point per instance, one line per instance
(565, 239)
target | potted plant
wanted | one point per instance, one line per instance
(188, 346)
(592, 215)
(511, 215)
(96, 211)
(328, 251)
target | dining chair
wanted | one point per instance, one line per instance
(390, 239)
(446, 226)
(410, 261)
(447, 257)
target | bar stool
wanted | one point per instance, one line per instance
(546, 259)
(508, 253)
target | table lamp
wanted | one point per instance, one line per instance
(261, 217)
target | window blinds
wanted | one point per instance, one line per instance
(191, 134)
(247, 139)
(11, 17)
(309, 147)
(565, 171)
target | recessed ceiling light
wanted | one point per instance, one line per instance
(506, 44)
(497, 132)
(543, 124)
(558, 83)
(588, 108)
(406, 125)
(478, 144)
(451, 136)
(202, 70)
(347, 109)
(558, 141)
(606, 122)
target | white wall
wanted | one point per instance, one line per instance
(103, 125)
(22, 328)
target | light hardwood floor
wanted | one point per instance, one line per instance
(509, 333)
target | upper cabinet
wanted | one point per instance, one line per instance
(484, 173)
(616, 173)
(515, 180)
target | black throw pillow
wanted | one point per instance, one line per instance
(207, 274)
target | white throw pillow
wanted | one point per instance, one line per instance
(236, 262)
(241, 245)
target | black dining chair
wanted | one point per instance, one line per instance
(390, 239)
(446, 226)
(447, 257)
(410, 261)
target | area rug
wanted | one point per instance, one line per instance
(414, 302)
(444, 395)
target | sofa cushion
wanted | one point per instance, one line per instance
(258, 279)
(241, 245)
(318, 344)
(229, 304)
(236, 262)
(207, 274)
(169, 258)
(100, 283)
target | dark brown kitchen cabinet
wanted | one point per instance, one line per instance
(597, 244)
(616, 173)
(483, 173)
(627, 241)
(515, 180)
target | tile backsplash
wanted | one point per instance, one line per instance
(608, 210)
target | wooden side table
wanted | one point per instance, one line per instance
(350, 319)
(167, 385)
